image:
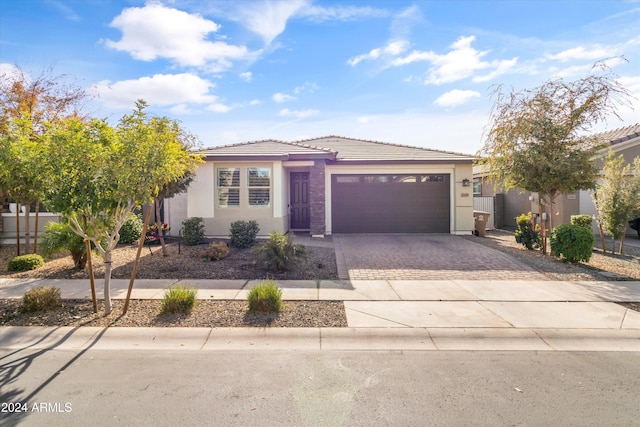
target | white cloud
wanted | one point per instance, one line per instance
(155, 31)
(158, 90)
(594, 52)
(456, 97)
(299, 114)
(393, 48)
(341, 13)
(266, 18)
(218, 108)
(255, 102)
(246, 76)
(280, 97)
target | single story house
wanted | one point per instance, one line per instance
(625, 141)
(329, 185)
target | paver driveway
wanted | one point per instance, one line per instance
(424, 257)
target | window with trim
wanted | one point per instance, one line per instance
(228, 183)
(259, 185)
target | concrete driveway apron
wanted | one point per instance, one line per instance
(423, 257)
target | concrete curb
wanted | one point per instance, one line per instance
(29, 338)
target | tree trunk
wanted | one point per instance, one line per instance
(27, 229)
(35, 236)
(595, 202)
(18, 227)
(624, 231)
(107, 281)
(157, 201)
(542, 227)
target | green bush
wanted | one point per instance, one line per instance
(526, 235)
(193, 231)
(131, 230)
(572, 243)
(279, 253)
(243, 233)
(215, 251)
(265, 298)
(57, 237)
(582, 220)
(178, 299)
(25, 262)
(42, 298)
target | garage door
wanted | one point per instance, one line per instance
(378, 203)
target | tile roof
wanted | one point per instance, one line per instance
(619, 135)
(336, 147)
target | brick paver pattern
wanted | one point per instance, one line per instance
(425, 257)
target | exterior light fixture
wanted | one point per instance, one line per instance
(466, 182)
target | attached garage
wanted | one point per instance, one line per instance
(388, 203)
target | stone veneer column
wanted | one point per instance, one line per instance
(317, 198)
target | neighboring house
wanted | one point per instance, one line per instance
(329, 185)
(625, 141)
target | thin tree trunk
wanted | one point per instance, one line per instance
(107, 281)
(18, 226)
(595, 202)
(147, 218)
(624, 231)
(92, 281)
(27, 229)
(158, 203)
(542, 227)
(35, 237)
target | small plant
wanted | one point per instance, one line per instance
(178, 299)
(572, 243)
(279, 253)
(582, 220)
(215, 251)
(131, 230)
(193, 231)
(526, 235)
(25, 262)
(58, 236)
(265, 298)
(42, 298)
(243, 233)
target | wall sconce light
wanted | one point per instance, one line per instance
(466, 182)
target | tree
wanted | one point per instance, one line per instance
(618, 196)
(27, 104)
(538, 138)
(97, 175)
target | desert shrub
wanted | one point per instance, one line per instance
(265, 297)
(582, 220)
(279, 253)
(526, 235)
(42, 298)
(243, 233)
(193, 231)
(58, 237)
(178, 299)
(25, 262)
(131, 230)
(572, 243)
(215, 251)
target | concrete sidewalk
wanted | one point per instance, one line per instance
(381, 315)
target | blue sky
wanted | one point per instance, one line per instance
(407, 72)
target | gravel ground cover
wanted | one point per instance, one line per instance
(186, 262)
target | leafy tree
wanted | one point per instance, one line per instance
(538, 139)
(97, 175)
(27, 104)
(617, 196)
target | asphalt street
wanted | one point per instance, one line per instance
(311, 388)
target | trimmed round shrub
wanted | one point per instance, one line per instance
(131, 230)
(193, 231)
(178, 299)
(25, 262)
(572, 243)
(243, 234)
(582, 220)
(42, 298)
(265, 298)
(215, 251)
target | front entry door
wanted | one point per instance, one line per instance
(300, 200)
